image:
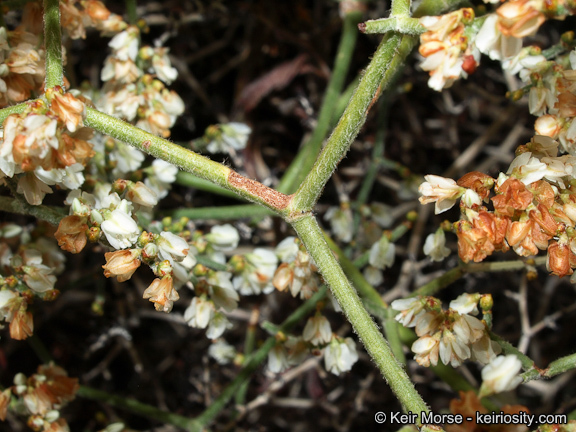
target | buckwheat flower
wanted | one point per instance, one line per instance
(427, 349)
(162, 66)
(33, 188)
(527, 168)
(71, 233)
(548, 125)
(120, 230)
(435, 246)
(287, 250)
(142, 195)
(466, 304)
(411, 309)
(340, 355)
(128, 159)
(381, 214)
(257, 274)
(468, 329)
(199, 313)
(223, 237)
(122, 264)
(492, 42)
(441, 190)
(373, 275)
(341, 221)
(382, 253)
(222, 291)
(429, 322)
(125, 44)
(233, 136)
(9, 302)
(484, 350)
(519, 18)
(22, 325)
(39, 277)
(222, 352)
(162, 293)
(161, 175)
(452, 349)
(278, 359)
(317, 330)
(172, 247)
(69, 110)
(218, 325)
(500, 375)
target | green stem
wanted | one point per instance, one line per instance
(392, 332)
(224, 212)
(508, 348)
(131, 12)
(400, 8)
(249, 344)
(140, 408)
(305, 158)
(386, 62)
(41, 212)
(558, 366)
(253, 363)
(378, 348)
(14, 109)
(188, 161)
(53, 41)
(400, 24)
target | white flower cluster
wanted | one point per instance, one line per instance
(453, 335)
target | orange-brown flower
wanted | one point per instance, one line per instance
(542, 193)
(96, 10)
(162, 293)
(544, 219)
(566, 104)
(71, 233)
(22, 325)
(122, 264)
(558, 262)
(478, 182)
(69, 109)
(512, 196)
(473, 243)
(58, 385)
(519, 18)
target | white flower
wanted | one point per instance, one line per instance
(468, 329)
(500, 375)
(172, 247)
(39, 277)
(453, 350)
(234, 136)
(317, 330)
(34, 189)
(128, 159)
(341, 222)
(162, 66)
(466, 304)
(340, 355)
(278, 359)
(142, 195)
(218, 324)
(441, 190)
(435, 246)
(222, 352)
(120, 230)
(381, 214)
(257, 274)
(492, 42)
(287, 250)
(164, 171)
(382, 253)
(373, 275)
(7, 298)
(427, 349)
(223, 237)
(125, 44)
(527, 168)
(199, 313)
(222, 291)
(410, 310)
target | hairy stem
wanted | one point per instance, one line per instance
(53, 41)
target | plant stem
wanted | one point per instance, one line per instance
(385, 63)
(305, 158)
(253, 362)
(378, 348)
(53, 42)
(131, 12)
(41, 212)
(14, 109)
(224, 212)
(140, 408)
(188, 161)
(405, 25)
(400, 8)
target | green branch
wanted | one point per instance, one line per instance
(188, 160)
(14, 109)
(41, 212)
(312, 237)
(400, 24)
(53, 41)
